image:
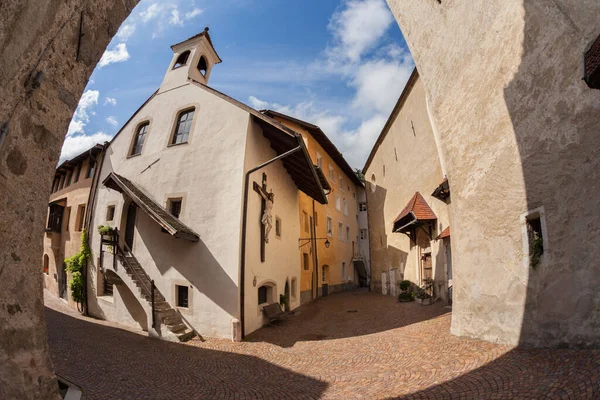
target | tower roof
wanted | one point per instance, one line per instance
(201, 34)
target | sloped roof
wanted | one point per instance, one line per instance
(419, 207)
(282, 139)
(399, 104)
(161, 216)
(445, 234)
(324, 141)
(203, 33)
(417, 210)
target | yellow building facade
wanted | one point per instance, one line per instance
(329, 233)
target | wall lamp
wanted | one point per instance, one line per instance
(327, 243)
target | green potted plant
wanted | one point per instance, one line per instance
(105, 230)
(425, 293)
(405, 296)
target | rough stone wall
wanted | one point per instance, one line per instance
(518, 129)
(37, 39)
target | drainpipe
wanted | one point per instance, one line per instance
(314, 245)
(244, 223)
(89, 214)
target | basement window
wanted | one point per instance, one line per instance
(182, 59)
(182, 293)
(265, 294)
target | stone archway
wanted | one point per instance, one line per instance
(49, 50)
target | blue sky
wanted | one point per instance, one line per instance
(340, 64)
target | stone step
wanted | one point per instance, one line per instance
(162, 305)
(168, 313)
(186, 335)
(172, 319)
(177, 328)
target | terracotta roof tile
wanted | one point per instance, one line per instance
(445, 234)
(419, 207)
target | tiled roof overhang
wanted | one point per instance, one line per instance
(417, 212)
(298, 164)
(161, 216)
(324, 182)
(69, 165)
(445, 234)
(325, 143)
(592, 65)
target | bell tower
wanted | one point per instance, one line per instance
(192, 59)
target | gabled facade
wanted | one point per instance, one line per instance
(174, 186)
(68, 216)
(408, 201)
(343, 264)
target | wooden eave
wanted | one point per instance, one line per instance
(161, 216)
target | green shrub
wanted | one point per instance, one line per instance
(405, 297)
(105, 230)
(404, 285)
(75, 266)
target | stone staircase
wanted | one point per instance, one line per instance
(164, 313)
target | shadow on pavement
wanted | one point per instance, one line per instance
(111, 363)
(343, 315)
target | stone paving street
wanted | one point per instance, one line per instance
(351, 345)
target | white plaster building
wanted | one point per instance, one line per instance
(173, 186)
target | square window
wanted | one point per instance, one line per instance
(67, 218)
(183, 127)
(347, 234)
(182, 296)
(324, 273)
(338, 203)
(90, 170)
(331, 174)
(329, 227)
(110, 213)
(316, 219)
(319, 160)
(277, 226)
(305, 261)
(341, 183)
(340, 231)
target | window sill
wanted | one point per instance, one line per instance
(134, 155)
(176, 144)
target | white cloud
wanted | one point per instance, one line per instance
(88, 100)
(357, 28)
(257, 104)
(75, 145)
(75, 127)
(175, 20)
(153, 11)
(378, 84)
(118, 54)
(125, 32)
(110, 100)
(112, 120)
(193, 14)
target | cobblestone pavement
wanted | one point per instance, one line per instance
(350, 345)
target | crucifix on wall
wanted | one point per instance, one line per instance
(266, 219)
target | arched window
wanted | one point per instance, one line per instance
(138, 141)
(182, 59)
(184, 124)
(46, 264)
(203, 66)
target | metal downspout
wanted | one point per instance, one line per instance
(244, 223)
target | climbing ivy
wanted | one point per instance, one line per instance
(536, 251)
(75, 266)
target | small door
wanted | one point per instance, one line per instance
(130, 225)
(325, 288)
(393, 282)
(426, 267)
(384, 287)
(287, 296)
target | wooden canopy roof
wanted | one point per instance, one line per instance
(161, 216)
